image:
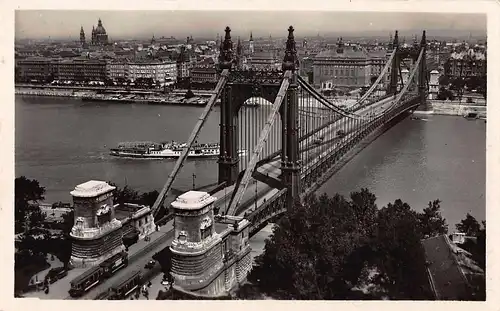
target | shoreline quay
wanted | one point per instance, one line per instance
(92, 96)
(456, 108)
(438, 107)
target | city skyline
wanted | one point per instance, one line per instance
(206, 24)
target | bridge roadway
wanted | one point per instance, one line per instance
(264, 192)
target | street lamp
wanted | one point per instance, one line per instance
(194, 176)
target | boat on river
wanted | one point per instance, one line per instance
(471, 116)
(151, 150)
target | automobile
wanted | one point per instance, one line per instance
(150, 264)
(55, 274)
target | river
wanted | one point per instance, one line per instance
(63, 142)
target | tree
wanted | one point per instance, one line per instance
(125, 195)
(480, 256)
(399, 255)
(457, 84)
(469, 226)
(27, 194)
(293, 253)
(444, 80)
(189, 94)
(326, 247)
(365, 210)
(318, 249)
(67, 222)
(149, 198)
(431, 221)
(444, 94)
(129, 195)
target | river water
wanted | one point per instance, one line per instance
(63, 142)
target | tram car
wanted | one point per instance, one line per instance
(90, 278)
(123, 288)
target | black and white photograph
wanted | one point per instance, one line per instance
(249, 155)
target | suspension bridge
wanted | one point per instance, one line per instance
(290, 151)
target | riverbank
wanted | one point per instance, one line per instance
(453, 108)
(47, 92)
(457, 108)
(129, 97)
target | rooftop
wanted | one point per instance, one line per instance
(150, 62)
(91, 188)
(448, 280)
(348, 52)
(193, 200)
(470, 54)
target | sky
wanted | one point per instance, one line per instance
(42, 24)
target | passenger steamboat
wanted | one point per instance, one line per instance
(166, 150)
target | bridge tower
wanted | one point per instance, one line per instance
(228, 158)
(96, 233)
(194, 238)
(393, 84)
(209, 257)
(422, 76)
(241, 85)
(290, 159)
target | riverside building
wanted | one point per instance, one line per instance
(347, 66)
(162, 71)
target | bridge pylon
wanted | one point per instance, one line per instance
(290, 158)
(422, 76)
(228, 158)
(393, 84)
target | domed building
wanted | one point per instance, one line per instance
(99, 35)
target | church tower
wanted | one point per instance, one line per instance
(251, 44)
(239, 54)
(82, 37)
(92, 41)
(340, 46)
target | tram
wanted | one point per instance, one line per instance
(92, 277)
(122, 289)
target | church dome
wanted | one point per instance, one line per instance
(100, 29)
